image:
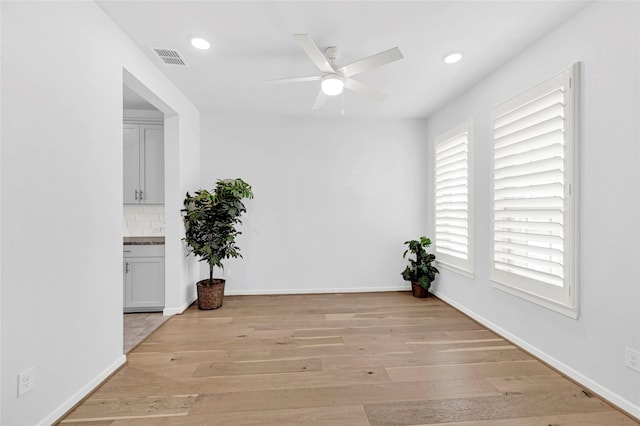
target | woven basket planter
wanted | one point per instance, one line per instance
(210, 296)
(418, 291)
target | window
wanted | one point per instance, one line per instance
(534, 217)
(452, 203)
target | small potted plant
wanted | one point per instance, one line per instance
(420, 272)
(210, 219)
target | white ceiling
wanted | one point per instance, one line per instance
(251, 42)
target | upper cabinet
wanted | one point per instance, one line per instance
(143, 164)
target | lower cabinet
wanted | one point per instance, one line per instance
(143, 278)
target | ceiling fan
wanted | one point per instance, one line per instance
(335, 78)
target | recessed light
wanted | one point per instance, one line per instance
(452, 57)
(200, 43)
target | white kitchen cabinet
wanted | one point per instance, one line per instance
(143, 148)
(143, 268)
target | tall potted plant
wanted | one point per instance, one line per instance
(420, 272)
(210, 233)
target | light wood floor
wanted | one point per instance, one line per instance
(336, 360)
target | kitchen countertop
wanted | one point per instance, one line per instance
(143, 241)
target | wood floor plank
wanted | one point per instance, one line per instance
(335, 359)
(211, 385)
(148, 407)
(410, 342)
(477, 370)
(408, 358)
(450, 324)
(481, 408)
(323, 416)
(148, 375)
(247, 368)
(342, 395)
(534, 384)
(605, 418)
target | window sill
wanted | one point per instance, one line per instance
(449, 267)
(569, 311)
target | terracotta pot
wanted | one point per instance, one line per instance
(418, 291)
(210, 295)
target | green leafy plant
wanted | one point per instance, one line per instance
(420, 270)
(210, 219)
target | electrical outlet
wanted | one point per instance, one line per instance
(632, 359)
(26, 381)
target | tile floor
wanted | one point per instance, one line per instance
(137, 326)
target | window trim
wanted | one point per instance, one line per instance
(465, 269)
(564, 300)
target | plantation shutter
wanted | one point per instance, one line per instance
(452, 198)
(529, 184)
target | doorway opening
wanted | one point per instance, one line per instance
(143, 218)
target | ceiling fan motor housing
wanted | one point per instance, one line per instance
(332, 53)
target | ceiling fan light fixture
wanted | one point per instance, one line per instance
(332, 85)
(452, 57)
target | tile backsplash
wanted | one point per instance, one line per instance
(143, 221)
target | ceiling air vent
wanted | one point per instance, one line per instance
(170, 56)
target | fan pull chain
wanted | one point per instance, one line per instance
(342, 101)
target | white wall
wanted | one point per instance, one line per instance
(61, 217)
(605, 38)
(181, 272)
(1, 325)
(335, 198)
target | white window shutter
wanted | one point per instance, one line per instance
(452, 199)
(533, 216)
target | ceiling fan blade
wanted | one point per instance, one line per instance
(313, 52)
(319, 103)
(294, 79)
(362, 89)
(370, 62)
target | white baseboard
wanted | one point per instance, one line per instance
(323, 290)
(167, 312)
(602, 391)
(84, 391)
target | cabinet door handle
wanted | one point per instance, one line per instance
(126, 269)
(136, 194)
(141, 195)
(126, 251)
